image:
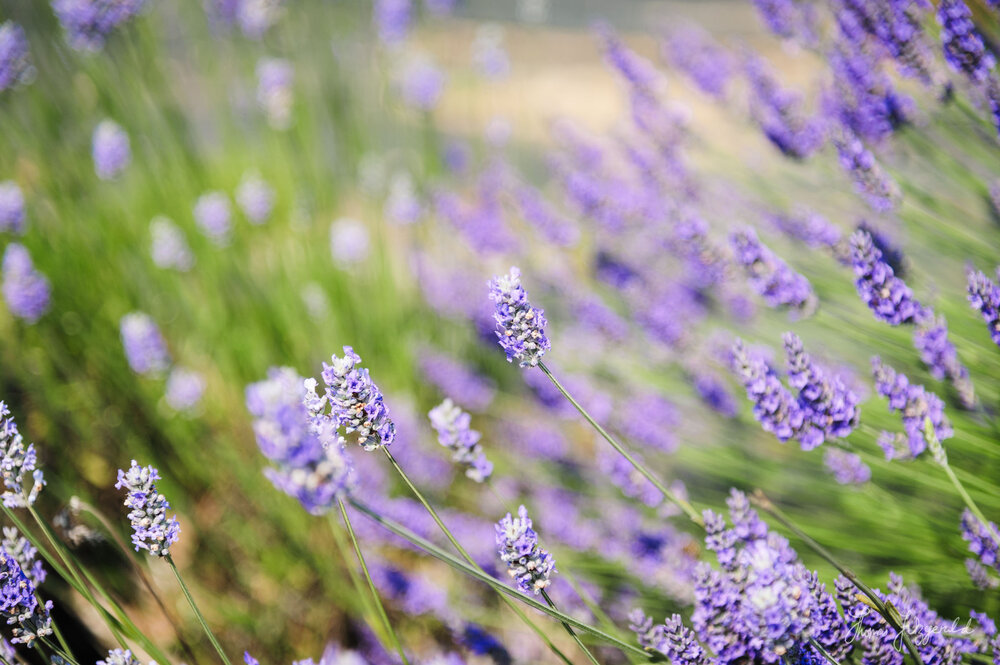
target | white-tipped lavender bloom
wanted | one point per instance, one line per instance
(184, 390)
(214, 216)
(169, 247)
(275, 77)
(17, 462)
(420, 83)
(349, 242)
(12, 214)
(26, 291)
(144, 346)
(15, 58)
(455, 434)
(528, 564)
(255, 198)
(356, 403)
(110, 150)
(519, 326)
(119, 657)
(152, 530)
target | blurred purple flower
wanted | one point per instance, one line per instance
(455, 434)
(870, 181)
(847, 468)
(13, 217)
(184, 389)
(693, 51)
(349, 242)
(769, 276)
(214, 215)
(275, 78)
(392, 19)
(88, 23)
(15, 56)
(918, 407)
(26, 290)
(169, 248)
(110, 150)
(451, 377)
(145, 349)
(420, 82)
(255, 198)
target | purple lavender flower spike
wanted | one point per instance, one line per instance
(88, 23)
(519, 326)
(779, 114)
(788, 19)
(963, 46)
(255, 198)
(870, 181)
(26, 290)
(256, 17)
(770, 277)
(213, 214)
(774, 407)
(916, 405)
(650, 420)
(420, 83)
(889, 298)
(356, 403)
(119, 657)
(455, 434)
(26, 555)
(931, 339)
(694, 52)
(808, 227)
(528, 564)
(349, 242)
(17, 462)
(983, 539)
(15, 57)
(12, 214)
(275, 78)
(847, 468)
(20, 606)
(714, 393)
(145, 349)
(184, 389)
(110, 150)
(168, 245)
(981, 576)
(392, 20)
(826, 401)
(984, 295)
(152, 530)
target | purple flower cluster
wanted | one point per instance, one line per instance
(847, 468)
(184, 389)
(984, 295)
(826, 401)
(455, 434)
(896, 29)
(213, 215)
(26, 290)
(88, 23)
(110, 150)
(275, 78)
(649, 419)
(918, 406)
(21, 549)
(20, 606)
(555, 227)
(870, 181)
(983, 539)
(809, 228)
(528, 564)
(714, 393)
(889, 298)
(779, 114)
(931, 339)
(152, 530)
(392, 19)
(671, 638)
(309, 463)
(707, 64)
(420, 83)
(963, 46)
(145, 349)
(451, 377)
(770, 277)
(774, 407)
(255, 198)
(356, 403)
(12, 214)
(168, 245)
(15, 58)
(519, 326)
(17, 461)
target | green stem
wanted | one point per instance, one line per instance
(572, 633)
(62, 640)
(496, 585)
(651, 477)
(59, 652)
(823, 652)
(371, 587)
(197, 612)
(468, 557)
(359, 590)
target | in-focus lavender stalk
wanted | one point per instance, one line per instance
(984, 295)
(671, 638)
(145, 349)
(255, 198)
(529, 565)
(774, 407)
(889, 298)
(13, 217)
(519, 326)
(20, 606)
(26, 291)
(827, 402)
(184, 389)
(275, 78)
(110, 150)
(213, 215)
(168, 245)
(88, 23)
(917, 406)
(17, 462)
(870, 181)
(119, 657)
(356, 403)
(152, 530)
(455, 434)
(769, 276)
(15, 56)
(847, 468)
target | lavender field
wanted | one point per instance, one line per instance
(443, 332)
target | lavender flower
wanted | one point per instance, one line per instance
(984, 295)
(256, 17)
(650, 420)
(983, 539)
(451, 377)
(275, 78)
(21, 549)
(110, 150)
(938, 353)
(519, 326)
(870, 180)
(420, 83)
(255, 198)
(714, 393)
(144, 346)
(788, 19)
(16, 462)
(19, 605)
(152, 530)
(119, 657)
(529, 565)
(774, 407)
(885, 294)
(847, 468)
(963, 46)
(536, 211)
(184, 389)
(769, 276)
(12, 214)
(15, 57)
(488, 53)
(454, 433)
(88, 23)
(26, 290)
(349, 242)
(827, 402)
(779, 114)
(356, 402)
(410, 592)
(707, 64)
(808, 227)
(392, 20)
(402, 204)
(671, 638)
(980, 576)
(168, 246)
(214, 216)
(918, 407)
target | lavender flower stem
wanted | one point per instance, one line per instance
(61, 652)
(503, 589)
(338, 538)
(371, 586)
(62, 642)
(823, 652)
(759, 499)
(197, 612)
(468, 557)
(569, 629)
(673, 498)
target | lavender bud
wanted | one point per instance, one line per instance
(26, 290)
(17, 462)
(695, 53)
(963, 46)
(255, 198)
(938, 353)
(769, 276)
(827, 402)
(917, 406)
(519, 326)
(420, 83)
(152, 530)
(15, 57)
(847, 468)
(110, 150)
(275, 78)
(214, 216)
(881, 193)
(356, 403)
(144, 346)
(454, 433)
(779, 112)
(184, 389)
(12, 214)
(529, 565)
(88, 23)
(168, 246)
(885, 294)
(392, 19)
(983, 539)
(773, 406)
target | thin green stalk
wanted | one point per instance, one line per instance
(823, 652)
(572, 633)
(371, 587)
(338, 539)
(468, 557)
(760, 500)
(62, 640)
(496, 585)
(197, 612)
(59, 652)
(651, 477)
